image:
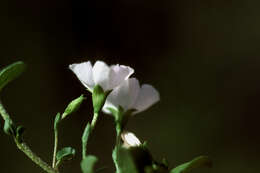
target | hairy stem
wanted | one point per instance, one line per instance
(24, 147)
(37, 160)
(3, 112)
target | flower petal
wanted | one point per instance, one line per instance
(148, 96)
(124, 95)
(101, 75)
(84, 73)
(118, 74)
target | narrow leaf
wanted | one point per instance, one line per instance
(201, 161)
(87, 164)
(11, 72)
(65, 154)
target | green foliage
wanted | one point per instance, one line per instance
(201, 161)
(19, 133)
(99, 98)
(11, 72)
(124, 161)
(57, 120)
(65, 154)
(88, 163)
(73, 106)
(9, 127)
(121, 116)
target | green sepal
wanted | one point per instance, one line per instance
(88, 163)
(124, 161)
(9, 73)
(198, 162)
(9, 127)
(57, 120)
(73, 106)
(66, 153)
(98, 98)
(19, 133)
(121, 116)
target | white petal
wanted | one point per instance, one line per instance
(148, 96)
(101, 74)
(130, 139)
(118, 74)
(124, 95)
(84, 73)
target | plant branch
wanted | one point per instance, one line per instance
(55, 148)
(25, 148)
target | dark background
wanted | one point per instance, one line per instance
(202, 56)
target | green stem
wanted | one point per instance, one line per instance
(24, 147)
(118, 139)
(37, 160)
(3, 112)
(87, 132)
(55, 148)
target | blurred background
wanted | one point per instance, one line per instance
(202, 56)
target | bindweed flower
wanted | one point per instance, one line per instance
(130, 96)
(107, 77)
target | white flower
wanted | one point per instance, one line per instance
(130, 140)
(130, 96)
(108, 77)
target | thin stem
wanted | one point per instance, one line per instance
(3, 112)
(94, 121)
(118, 139)
(55, 148)
(87, 132)
(37, 160)
(25, 148)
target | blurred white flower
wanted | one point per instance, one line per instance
(130, 140)
(130, 96)
(108, 77)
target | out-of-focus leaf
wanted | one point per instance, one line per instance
(124, 161)
(88, 163)
(201, 161)
(11, 72)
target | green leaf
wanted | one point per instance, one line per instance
(87, 164)
(124, 161)
(9, 127)
(201, 161)
(99, 98)
(19, 133)
(11, 72)
(65, 154)
(73, 106)
(57, 120)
